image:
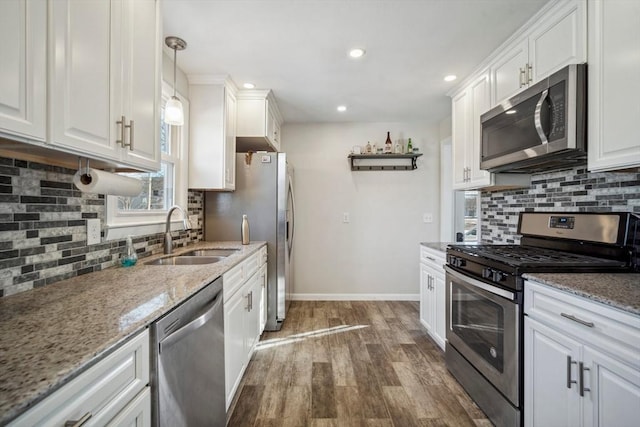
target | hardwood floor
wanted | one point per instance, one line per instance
(351, 363)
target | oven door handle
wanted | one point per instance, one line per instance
(478, 284)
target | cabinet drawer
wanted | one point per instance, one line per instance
(263, 255)
(102, 391)
(232, 280)
(593, 322)
(251, 265)
(432, 257)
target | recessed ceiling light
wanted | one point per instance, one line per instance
(342, 108)
(450, 78)
(356, 53)
(249, 86)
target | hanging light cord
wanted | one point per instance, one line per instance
(175, 67)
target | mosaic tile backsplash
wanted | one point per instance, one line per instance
(569, 190)
(43, 227)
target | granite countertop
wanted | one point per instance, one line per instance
(51, 334)
(438, 246)
(619, 290)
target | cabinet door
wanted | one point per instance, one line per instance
(263, 297)
(613, 398)
(82, 75)
(460, 136)
(440, 310)
(230, 106)
(426, 298)
(252, 323)
(234, 342)
(141, 83)
(136, 414)
(547, 373)
(558, 40)
(23, 85)
(508, 72)
(614, 87)
(479, 105)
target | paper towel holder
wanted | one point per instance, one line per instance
(85, 173)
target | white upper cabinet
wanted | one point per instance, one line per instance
(212, 148)
(259, 121)
(23, 85)
(555, 40)
(467, 107)
(105, 107)
(613, 84)
(141, 95)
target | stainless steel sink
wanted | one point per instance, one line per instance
(186, 260)
(210, 252)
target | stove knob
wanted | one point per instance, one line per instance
(487, 273)
(498, 276)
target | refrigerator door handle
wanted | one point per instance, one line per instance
(293, 218)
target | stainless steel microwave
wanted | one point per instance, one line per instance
(540, 128)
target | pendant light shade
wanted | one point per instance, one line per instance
(173, 112)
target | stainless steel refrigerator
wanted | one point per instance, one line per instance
(264, 192)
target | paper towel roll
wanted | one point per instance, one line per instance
(102, 182)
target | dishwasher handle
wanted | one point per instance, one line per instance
(190, 327)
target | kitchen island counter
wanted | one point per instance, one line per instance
(52, 334)
(619, 290)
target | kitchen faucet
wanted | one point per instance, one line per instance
(168, 243)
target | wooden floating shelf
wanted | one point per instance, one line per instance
(353, 157)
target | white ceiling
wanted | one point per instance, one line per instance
(298, 48)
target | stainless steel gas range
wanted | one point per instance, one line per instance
(484, 349)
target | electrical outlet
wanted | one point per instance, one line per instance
(193, 219)
(345, 217)
(93, 231)
(427, 218)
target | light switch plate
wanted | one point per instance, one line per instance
(427, 218)
(93, 231)
(345, 217)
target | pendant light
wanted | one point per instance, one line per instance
(173, 113)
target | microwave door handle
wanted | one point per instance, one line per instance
(537, 117)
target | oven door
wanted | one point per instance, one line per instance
(483, 326)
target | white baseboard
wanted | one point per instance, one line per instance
(355, 297)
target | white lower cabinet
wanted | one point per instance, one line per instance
(581, 361)
(432, 295)
(115, 392)
(243, 307)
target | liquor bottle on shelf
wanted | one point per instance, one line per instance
(409, 147)
(388, 145)
(367, 149)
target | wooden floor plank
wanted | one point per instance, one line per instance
(323, 399)
(351, 364)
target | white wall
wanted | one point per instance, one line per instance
(376, 254)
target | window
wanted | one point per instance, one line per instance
(467, 209)
(146, 212)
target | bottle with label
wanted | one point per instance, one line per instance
(367, 149)
(245, 230)
(388, 145)
(409, 147)
(130, 256)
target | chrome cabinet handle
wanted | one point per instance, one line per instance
(581, 368)
(537, 117)
(122, 123)
(529, 73)
(575, 319)
(569, 363)
(522, 77)
(430, 258)
(130, 144)
(80, 422)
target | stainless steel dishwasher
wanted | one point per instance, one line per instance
(188, 360)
